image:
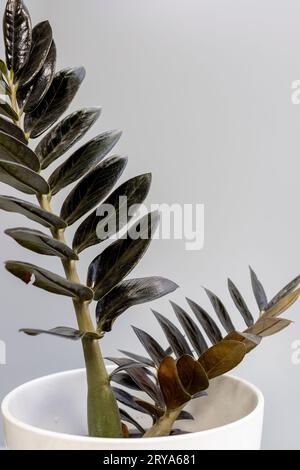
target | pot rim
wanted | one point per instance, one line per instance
(8, 416)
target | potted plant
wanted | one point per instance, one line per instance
(50, 413)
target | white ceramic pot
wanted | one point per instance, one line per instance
(50, 413)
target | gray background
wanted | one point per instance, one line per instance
(202, 91)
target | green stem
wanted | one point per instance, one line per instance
(164, 425)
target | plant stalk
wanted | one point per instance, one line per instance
(164, 425)
(102, 409)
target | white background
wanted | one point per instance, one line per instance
(202, 90)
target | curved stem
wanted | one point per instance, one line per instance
(164, 425)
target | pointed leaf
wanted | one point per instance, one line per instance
(175, 338)
(13, 150)
(126, 417)
(220, 311)
(23, 96)
(222, 357)
(41, 243)
(132, 192)
(283, 304)
(83, 160)
(126, 367)
(268, 326)
(3, 68)
(259, 292)
(129, 293)
(42, 81)
(22, 178)
(4, 88)
(153, 348)
(92, 189)
(121, 257)
(65, 134)
(63, 332)
(284, 291)
(123, 379)
(208, 324)
(191, 329)
(136, 357)
(240, 303)
(192, 375)
(153, 410)
(7, 111)
(41, 43)
(173, 392)
(127, 399)
(17, 34)
(31, 211)
(63, 89)
(47, 280)
(12, 130)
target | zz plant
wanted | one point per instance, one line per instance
(36, 97)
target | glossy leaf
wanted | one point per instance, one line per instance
(222, 357)
(23, 95)
(41, 43)
(208, 324)
(192, 375)
(22, 178)
(12, 130)
(132, 192)
(7, 111)
(63, 89)
(220, 311)
(17, 34)
(173, 392)
(153, 348)
(123, 379)
(83, 160)
(259, 292)
(283, 304)
(127, 399)
(130, 363)
(191, 329)
(41, 243)
(65, 134)
(13, 150)
(47, 280)
(240, 303)
(42, 81)
(129, 293)
(136, 357)
(121, 257)
(268, 326)
(31, 211)
(175, 338)
(92, 189)
(284, 291)
(62, 332)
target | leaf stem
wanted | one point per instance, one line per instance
(164, 425)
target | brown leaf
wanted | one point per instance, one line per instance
(192, 375)
(268, 326)
(249, 341)
(283, 304)
(170, 384)
(222, 357)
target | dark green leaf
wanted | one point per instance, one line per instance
(126, 417)
(83, 160)
(23, 95)
(220, 311)
(208, 324)
(153, 348)
(138, 358)
(173, 392)
(65, 134)
(284, 291)
(4, 88)
(62, 332)
(47, 280)
(31, 211)
(41, 243)
(121, 257)
(126, 367)
(3, 68)
(259, 292)
(63, 89)
(175, 338)
(240, 303)
(7, 111)
(222, 357)
(128, 400)
(17, 34)
(22, 178)
(42, 81)
(13, 150)
(41, 43)
(132, 192)
(12, 130)
(124, 380)
(191, 329)
(192, 375)
(129, 293)
(185, 415)
(92, 189)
